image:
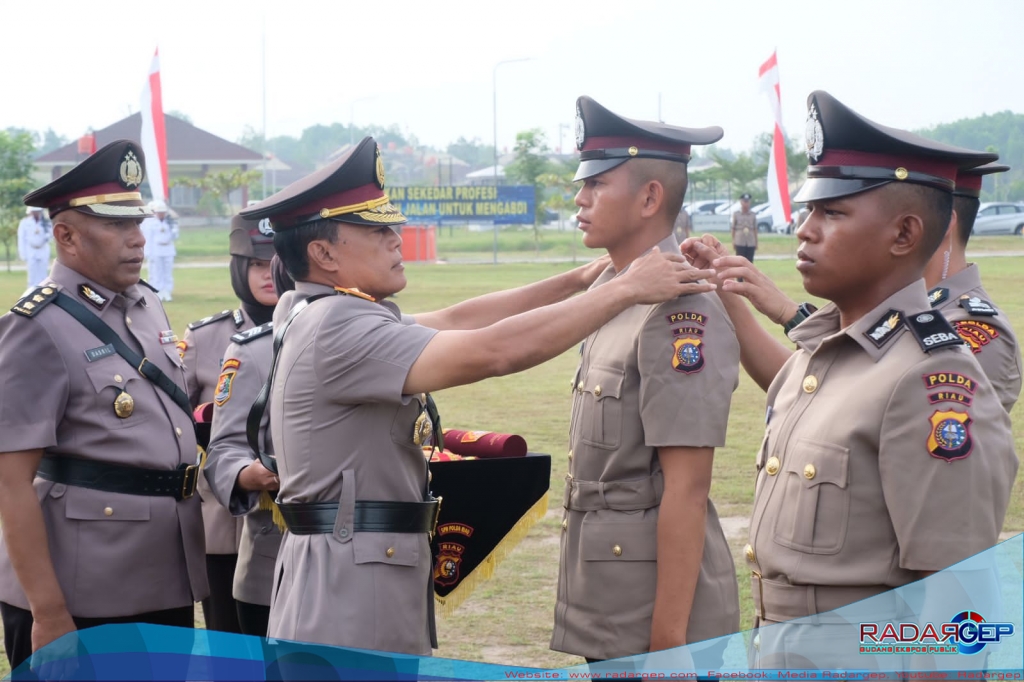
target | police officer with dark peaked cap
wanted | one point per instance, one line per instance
(650, 404)
(98, 473)
(887, 455)
(349, 399)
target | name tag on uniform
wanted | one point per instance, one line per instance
(94, 354)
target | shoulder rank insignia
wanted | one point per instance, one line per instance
(92, 296)
(950, 435)
(238, 317)
(687, 355)
(977, 306)
(976, 334)
(224, 382)
(31, 303)
(254, 333)
(932, 331)
(148, 285)
(885, 328)
(355, 292)
(222, 315)
(938, 295)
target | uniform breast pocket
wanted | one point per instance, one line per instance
(814, 507)
(120, 393)
(405, 424)
(601, 407)
(395, 549)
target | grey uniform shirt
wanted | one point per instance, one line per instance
(984, 328)
(879, 460)
(342, 431)
(202, 351)
(245, 370)
(654, 376)
(114, 554)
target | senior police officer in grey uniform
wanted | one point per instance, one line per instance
(348, 405)
(959, 294)
(644, 561)
(202, 351)
(97, 477)
(236, 472)
(743, 226)
(887, 455)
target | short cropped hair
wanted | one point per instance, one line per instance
(934, 206)
(292, 245)
(671, 174)
(966, 212)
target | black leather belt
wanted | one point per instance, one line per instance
(310, 518)
(178, 483)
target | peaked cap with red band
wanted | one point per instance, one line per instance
(349, 190)
(968, 182)
(251, 238)
(849, 154)
(104, 184)
(607, 140)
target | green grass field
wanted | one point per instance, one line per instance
(508, 620)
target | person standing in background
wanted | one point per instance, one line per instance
(34, 235)
(161, 232)
(744, 229)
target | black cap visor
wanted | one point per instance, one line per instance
(819, 189)
(589, 169)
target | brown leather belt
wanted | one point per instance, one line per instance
(779, 602)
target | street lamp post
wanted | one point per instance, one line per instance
(494, 88)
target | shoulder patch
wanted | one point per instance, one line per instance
(224, 383)
(147, 284)
(31, 303)
(977, 306)
(938, 295)
(687, 317)
(976, 334)
(222, 315)
(687, 355)
(932, 330)
(885, 328)
(254, 333)
(962, 381)
(950, 435)
(237, 316)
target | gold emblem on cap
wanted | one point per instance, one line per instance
(124, 405)
(901, 173)
(379, 166)
(633, 151)
(131, 171)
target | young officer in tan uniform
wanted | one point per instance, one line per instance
(77, 551)
(347, 409)
(887, 455)
(202, 351)
(237, 475)
(957, 291)
(744, 230)
(644, 561)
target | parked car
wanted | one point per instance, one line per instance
(704, 207)
(999, 218)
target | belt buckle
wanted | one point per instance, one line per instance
(437, 515)
(141, 365)
(759, 609)
(191, 474)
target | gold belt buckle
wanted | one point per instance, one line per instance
(190, 473)
(437, 515)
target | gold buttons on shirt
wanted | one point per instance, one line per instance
(597, 390)
(128, 321)
(579, 387)
(616, 550)
(565, 524)
(772, 466)
(108, 511)
(118, 378)
(749, 551)
(177, 430)
(810, 383)
(810, 472)
(570, 455)
(390, 552)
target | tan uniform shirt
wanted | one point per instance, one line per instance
(114, 554)
(744, 228)
(202, 351)
(245, 370)
(655, 376)
(879, 460)
(984, 328)
(342, 431)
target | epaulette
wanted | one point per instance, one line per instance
(932, 330)
(238, 317)
(977, 306)
(32, 302)
(254, 333)
(222, 315)
(147, 284)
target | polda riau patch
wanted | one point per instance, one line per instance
(950, 435)
(687, 317)
(687, 355)
(449, 559)
(955, 379)
(976, 334)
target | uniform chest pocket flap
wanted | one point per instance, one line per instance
(601, 408)
(399, 549)
(619, 541)
(82, 504)
(814, 509)
(109, 378)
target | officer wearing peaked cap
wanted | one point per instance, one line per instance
(883, 434)
(650, 403)
(100, 520)
(957, 291)
(351, 381)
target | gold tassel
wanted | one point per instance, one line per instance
(485, 571)
(267, 503)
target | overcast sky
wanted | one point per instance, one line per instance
(427, 66)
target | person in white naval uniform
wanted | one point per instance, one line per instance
(34, 234)
(161, 232)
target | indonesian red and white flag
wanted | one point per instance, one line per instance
(778, 176)
(154, 136)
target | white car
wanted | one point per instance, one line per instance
(704, 207)
(999, 218)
